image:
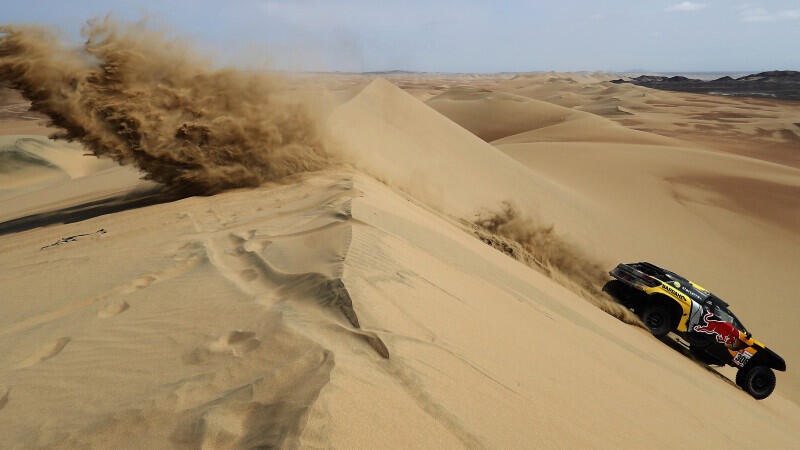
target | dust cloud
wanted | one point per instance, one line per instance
(540, 246)
(132, 94)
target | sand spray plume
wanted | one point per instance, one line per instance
(540, 246)
(133, 95)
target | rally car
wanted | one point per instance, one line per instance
(668, 302)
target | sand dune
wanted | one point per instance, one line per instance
(410, 146)
(587, 128)
(762, 129)
(16, 117)
(38, 174)
(31, 161)
(500, 117)
(495, 115)
(352, 307)
(228, 297)
(21, 168)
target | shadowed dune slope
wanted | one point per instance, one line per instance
(501, 117)
(759, 128)
(494, 115)
(588, 128)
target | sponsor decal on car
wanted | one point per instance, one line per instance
(692, 293)
(742, 357)
(672, 291)
(723, 331)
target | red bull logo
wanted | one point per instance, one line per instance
(723, 331)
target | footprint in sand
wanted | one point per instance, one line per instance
(266, 299)
(235, 343)
(248, 274)
(244, 235)
(139, 283)
(255, 246)
(4, 391)
(113, 308)
(48, 351)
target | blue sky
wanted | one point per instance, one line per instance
(461, 36)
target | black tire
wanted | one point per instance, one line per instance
(758, 381)
(740, 377)
(657, 318)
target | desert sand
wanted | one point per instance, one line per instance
(354, 306)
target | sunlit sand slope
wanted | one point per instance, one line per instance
(329, 312)
(655, 186)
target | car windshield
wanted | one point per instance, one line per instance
(728, 316)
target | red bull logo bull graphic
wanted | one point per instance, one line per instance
(723, 331)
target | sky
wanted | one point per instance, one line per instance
(459, 36)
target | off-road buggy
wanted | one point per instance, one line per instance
(668, 302)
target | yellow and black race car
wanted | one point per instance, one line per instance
(668, 302)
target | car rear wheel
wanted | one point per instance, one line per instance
(758, 381)
(614, 288)
(622, 293)
(658, 319)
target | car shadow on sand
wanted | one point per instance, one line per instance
(91, 209)
(672, 342)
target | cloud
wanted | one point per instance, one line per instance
(686, 6)
(324, 15)
(791, 14)
(750, 13)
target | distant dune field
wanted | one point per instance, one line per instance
(355, 303)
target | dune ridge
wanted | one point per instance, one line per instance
(247, 386)
(430, 146)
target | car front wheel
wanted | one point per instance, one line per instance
(758, 381)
